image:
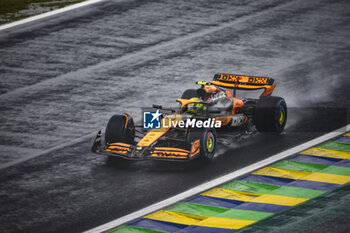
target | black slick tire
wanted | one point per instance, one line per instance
(270, 114)
(207, 137)
(120, 128)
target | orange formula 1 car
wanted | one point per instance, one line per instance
(189, 132)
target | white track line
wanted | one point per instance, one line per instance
(49, 150)
(48, 14)
(218, 181)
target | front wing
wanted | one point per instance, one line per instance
(133, 152)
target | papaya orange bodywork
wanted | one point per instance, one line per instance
(225, 120)
(175, 156)
(155, 134)
(243, 78)
(268, 90)
(209, 89)
(118, 147)
(237, 103)
(152, 136)
(241, 86)
(170, 149)
(195, 148)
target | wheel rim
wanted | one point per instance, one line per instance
(281, 115)
(210, 142)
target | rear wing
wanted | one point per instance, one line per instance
(244, 82)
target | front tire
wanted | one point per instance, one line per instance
(270, 114)
(207, 138)
(120, 128)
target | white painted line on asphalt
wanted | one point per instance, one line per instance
(49, 150)
(48, 14)
(218, 181)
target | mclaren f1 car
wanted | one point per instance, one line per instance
(189, 131)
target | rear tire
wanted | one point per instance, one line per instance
(207, 137)
(120, 128)
(270, 114)
(189, 94)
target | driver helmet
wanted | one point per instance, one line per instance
(194, 107)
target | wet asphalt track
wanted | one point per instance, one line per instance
(63, 78)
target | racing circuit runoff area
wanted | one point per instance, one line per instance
(63, 77)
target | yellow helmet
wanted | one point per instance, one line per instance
(194, 107)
